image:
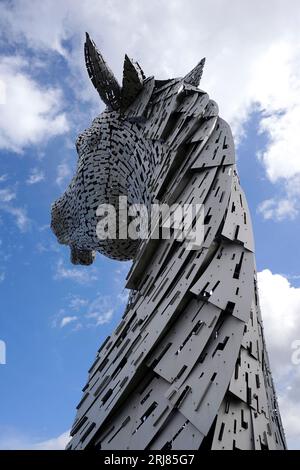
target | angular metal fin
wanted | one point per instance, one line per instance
(101, 76)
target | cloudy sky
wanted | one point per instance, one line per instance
(54, 315)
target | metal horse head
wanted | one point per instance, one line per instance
(107, 168)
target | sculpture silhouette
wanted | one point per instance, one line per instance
(187, 367)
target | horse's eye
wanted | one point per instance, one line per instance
(91, 139)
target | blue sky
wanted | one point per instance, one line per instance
(54, 315)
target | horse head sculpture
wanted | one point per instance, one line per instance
(117, 156)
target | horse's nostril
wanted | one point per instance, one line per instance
(84, 257)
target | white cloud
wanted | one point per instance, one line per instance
(40, 23)
(31, 114)
(13, 440)
(44, 227)
(123, 296)
(278, 209)
(290, 412)
(20, 216)
(88, 313)
(100, 317)
(280, 306)
(76, 303)
(46, 247)
(7, 195)
(82, 274)
(2, 276)
(56, 443)
(3, 96)
(66, 320)
(286, 205)
(102, 309)
(63, 173)
(282, 156)
(35, 176)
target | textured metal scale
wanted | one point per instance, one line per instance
(187, 366)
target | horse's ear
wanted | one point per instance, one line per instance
(101, 76)
(194, 76)
(133, 78)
